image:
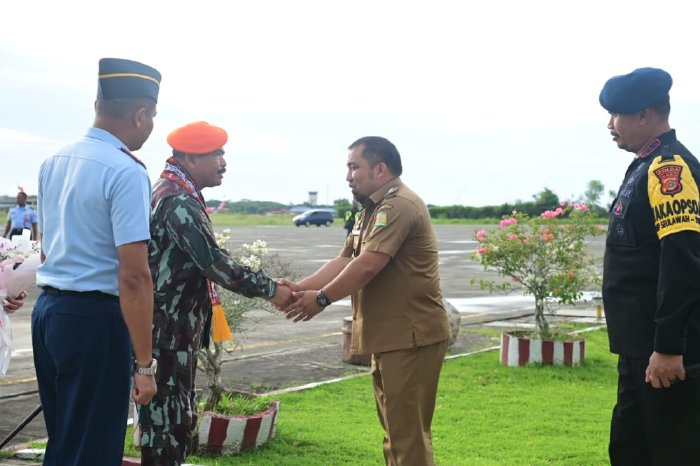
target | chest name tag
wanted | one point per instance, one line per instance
(673, 195)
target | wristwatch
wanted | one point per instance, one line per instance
(150, 370)
(321, 299)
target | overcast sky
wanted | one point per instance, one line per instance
(487, 102)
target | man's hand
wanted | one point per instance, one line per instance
(10, 305)
(288, 283)
(304, 306)
(664, 369)
(144, 388)
(282, 297)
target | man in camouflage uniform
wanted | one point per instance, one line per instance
(185, 263)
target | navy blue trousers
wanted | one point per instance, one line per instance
(82, 355)
(654, 426)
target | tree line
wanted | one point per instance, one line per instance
(544, 200)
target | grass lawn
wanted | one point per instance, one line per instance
(230, 219)
(486, 414)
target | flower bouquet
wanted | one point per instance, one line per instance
(19, 259)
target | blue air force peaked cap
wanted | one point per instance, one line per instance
(125, 78)
(635, 91)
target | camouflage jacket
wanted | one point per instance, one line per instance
(182, 255)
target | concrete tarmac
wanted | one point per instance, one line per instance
(274, 353)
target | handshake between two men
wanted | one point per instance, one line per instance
(297, 304)
(338, 278)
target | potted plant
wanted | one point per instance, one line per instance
(228, 420)
(546, 257)
(235, 309)
(240, 421)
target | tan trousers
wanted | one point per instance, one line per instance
(405, 387)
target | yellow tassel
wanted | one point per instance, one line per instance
(220, 329)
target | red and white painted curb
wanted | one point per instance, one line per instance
(231, 434)
(517, 350)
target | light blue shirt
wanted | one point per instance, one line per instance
(92, 199)
(21, 217)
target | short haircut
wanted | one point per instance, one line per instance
(662, 107)
(22, 193)
(376, 150)
(122, 107)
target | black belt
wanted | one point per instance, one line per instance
(85, 294)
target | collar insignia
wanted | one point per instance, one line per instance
(649, 148)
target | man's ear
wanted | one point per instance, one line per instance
(190, 160)
(644, 115)
(139, 116)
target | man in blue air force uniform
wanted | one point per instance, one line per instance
(97, 300)
(21, 217)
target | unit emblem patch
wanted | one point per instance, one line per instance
(381, 220)
(670, 178)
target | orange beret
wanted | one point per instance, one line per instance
(198, 138)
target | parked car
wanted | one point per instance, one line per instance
(314, 217)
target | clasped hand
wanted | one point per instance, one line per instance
(664, 369)
(144, 390)
(10, 305)
(300, 305)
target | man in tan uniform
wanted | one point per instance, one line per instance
(390, 266)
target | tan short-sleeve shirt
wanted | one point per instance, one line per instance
(402, 306)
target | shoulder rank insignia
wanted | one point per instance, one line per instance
(130, 154)
(673, 195)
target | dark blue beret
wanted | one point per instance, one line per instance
(125, 78)
(630, 93)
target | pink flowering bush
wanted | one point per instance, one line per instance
(545, 256)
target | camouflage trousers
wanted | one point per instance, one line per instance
(168, 421)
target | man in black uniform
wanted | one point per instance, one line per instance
(651, 279)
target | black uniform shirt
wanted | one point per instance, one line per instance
(651, 274)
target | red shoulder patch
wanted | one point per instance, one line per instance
(670, 178)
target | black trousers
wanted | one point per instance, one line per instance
(654, 426)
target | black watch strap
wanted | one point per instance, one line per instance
(321, 299)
